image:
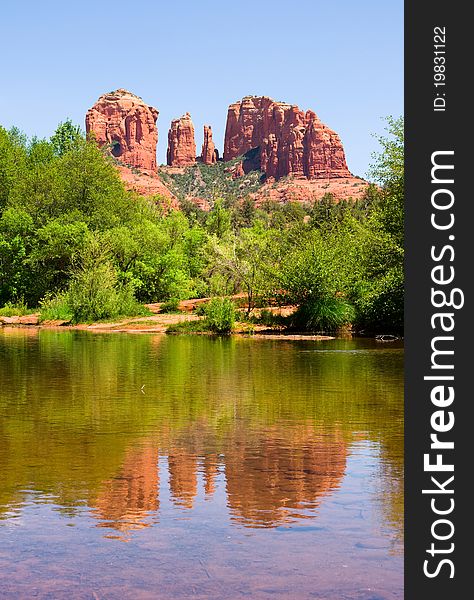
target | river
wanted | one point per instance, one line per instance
(139, 466)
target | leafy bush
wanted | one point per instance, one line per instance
(55, 308)
(13, 309)
(94, 295)
(380, 303)
(220, 315)
(323, 314)
(94, 292)
(170, 306)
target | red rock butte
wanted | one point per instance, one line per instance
(181, 145)
(127, 125)
(209, 153)
(281, 140)
(276, 138)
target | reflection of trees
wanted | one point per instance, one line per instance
(72, 414)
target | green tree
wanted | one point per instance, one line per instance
(248, 260)
(379, 294)
(66, 137)
(16, 234)
(218, 221)
(12, 161)
(57, 246)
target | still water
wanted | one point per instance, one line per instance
(175, 467)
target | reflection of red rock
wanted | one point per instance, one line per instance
(129, 498)
(289, 141)
(210, 470)
(271, 479)
(287, 472)
(124, 122)
(209, 153)
(181, 144)
(182, 466)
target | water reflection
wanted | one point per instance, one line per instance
(277, 479)
(182, 467)
(132, 434)
(282, 475)
(128, 499)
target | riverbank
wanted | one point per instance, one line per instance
(159, 322)
(153, 324)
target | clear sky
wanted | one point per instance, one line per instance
(341, 58)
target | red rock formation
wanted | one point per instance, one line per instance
(124, 122)
(181, 144)
(289, 141)
(149, 184)
(209, 154)
(324, 154)
(308, 191)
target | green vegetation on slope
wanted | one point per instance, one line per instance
(212, 181)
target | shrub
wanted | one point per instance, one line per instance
(66, 307)
(379, 304)
(55, 308)
(13, 309)
(220, 315)
(93, 294)
(323, 314)
(170, 306)
(91, 302)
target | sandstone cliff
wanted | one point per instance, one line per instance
(181, 144)
(127, 125)
(209, 154)
(284, 139)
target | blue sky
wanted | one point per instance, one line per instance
(343, 59)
